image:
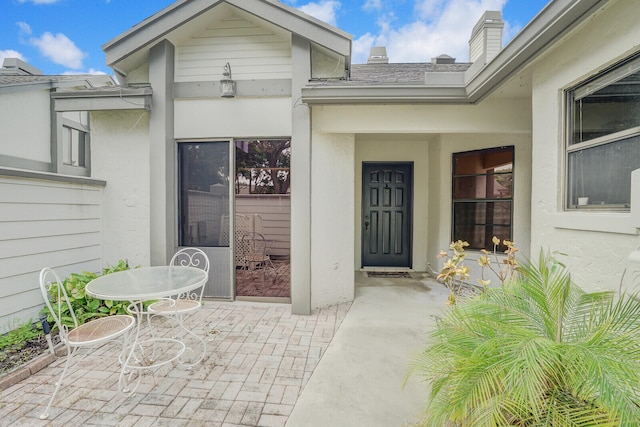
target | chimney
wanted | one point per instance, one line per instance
(378, 55)
(486, 38)
(17, 67)
(443, 59)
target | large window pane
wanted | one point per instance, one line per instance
(489, 186)
(478, 222)
(482, 196)
(614, 108)
(263, 166)
(204, 193)
(603, 146)
(602, 174)
(263, 218)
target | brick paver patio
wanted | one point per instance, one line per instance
(259, 358)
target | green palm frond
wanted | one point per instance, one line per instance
(538, 351)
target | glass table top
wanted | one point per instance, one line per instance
(146, 283)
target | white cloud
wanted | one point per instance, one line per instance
(91, 71)
(427, 8)
(25, 29)
(39, 1)
(324, 10)
(9, 53)
(441, 27)
(60, 50)
(361, 46)
(372, 5)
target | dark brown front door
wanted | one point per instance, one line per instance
(386, 214)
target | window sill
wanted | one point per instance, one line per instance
(621, 223)
(22, 173)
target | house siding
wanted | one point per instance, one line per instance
(18, 111)
(44, 224)
(275, 212)
(595, 257)
(237, 118)
(332, 210)
(476, 47)
(120, 156)
(494, 42)
(254, 50)
(427, 136)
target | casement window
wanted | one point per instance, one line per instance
(603, 138)
(73, 146)
(483, 196)
(72, 141)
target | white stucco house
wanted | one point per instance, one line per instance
(535, 142)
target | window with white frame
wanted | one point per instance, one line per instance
(73, 146)
(483, 196)
(603, 138)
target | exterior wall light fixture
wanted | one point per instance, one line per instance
(227, 85)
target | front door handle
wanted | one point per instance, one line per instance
(366, 223)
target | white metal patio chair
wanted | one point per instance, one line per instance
(254, 250)
(187, 303)
(93, 333)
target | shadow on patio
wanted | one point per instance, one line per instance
(259, 358)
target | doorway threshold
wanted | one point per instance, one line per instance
(275, 300)
(389, 274)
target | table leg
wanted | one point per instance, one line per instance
(146, 354)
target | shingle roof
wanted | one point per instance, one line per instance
(12, 79)
(410, 73)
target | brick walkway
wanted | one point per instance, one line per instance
(259, 358)
(274, 283)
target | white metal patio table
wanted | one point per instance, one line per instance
(139, 286)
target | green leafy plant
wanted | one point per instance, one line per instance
(538, 351)
(84, 306)
(16, 338)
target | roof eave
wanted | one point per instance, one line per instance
(154, 28)
(18, 87)
(103, 99)
(387, 94)
(557, 19)
(553, 22)
(85, 80)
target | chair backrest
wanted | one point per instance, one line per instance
(254, 243)
(57, 301)
(191, 257)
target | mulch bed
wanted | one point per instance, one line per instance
(12, 358)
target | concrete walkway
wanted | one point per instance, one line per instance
(359, 379)
(264, 367)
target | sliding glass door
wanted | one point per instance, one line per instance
(204, 189)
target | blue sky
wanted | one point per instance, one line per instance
(66, 36)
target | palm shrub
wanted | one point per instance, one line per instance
(538, 351)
